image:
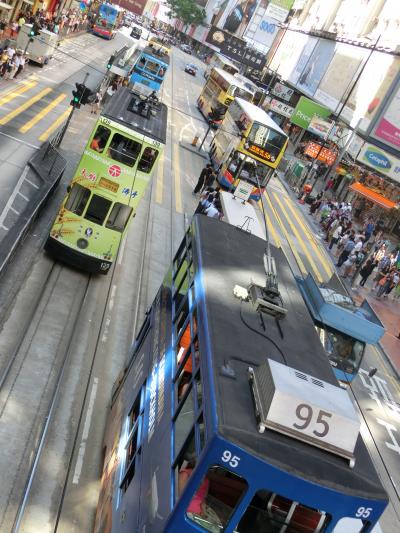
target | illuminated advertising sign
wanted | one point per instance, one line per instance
(379, 160)
(387, 127)
(325, 155)
(305, 111)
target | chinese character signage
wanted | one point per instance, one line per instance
(235, 48)
(280, 107)
(325, 155)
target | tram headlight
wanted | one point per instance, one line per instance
(82, 243)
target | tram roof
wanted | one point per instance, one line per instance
(259, 115)
(229, 256)
(154, 127)
(150, 50)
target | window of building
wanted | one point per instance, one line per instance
(118, 217)
(97, 209)
(148, 159)
(270, 512)
(124, 150)
(216, 498)
(77, 199)
(100, 138)
(133, 444)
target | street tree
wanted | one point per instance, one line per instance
(187, 11)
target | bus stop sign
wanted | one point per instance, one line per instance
(243, 190)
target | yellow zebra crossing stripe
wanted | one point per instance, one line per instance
(270, 227)
(37, 118)
(12, 114)
(16, 92)
(300, 263)
(46, 134)
(300, 240)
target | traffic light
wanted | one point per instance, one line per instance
(110, 62)
(80, 96)
(35, 30)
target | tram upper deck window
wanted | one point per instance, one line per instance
(271, 512)
(124, 150)
(97, 209)
(118, 217)
(216, 499)
(77, 199)
(100, 139)
(152, 66)
(148, 159)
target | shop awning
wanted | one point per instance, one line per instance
(373, 196)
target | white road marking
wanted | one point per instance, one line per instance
(31, 183)
(23, 196)
(121, 251)
(12, 197)
(85, 433)
(19, 140)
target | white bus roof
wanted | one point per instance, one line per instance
(241, 215)
(231, 79)
(259, 115)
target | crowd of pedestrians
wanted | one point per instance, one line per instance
(361, 251)
(12, 62)
(210, 202)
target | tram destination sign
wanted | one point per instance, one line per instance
(235, 48)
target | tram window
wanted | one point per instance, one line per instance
(97, 209)
(199, 390)
(118, 217)
(133, 444)
(77, 199)
(202, 432)
(182, 313)
(183, 381)
(124, 150)
(185, 464)
(152, 67)
(148, 159)
(100, 139)
(184, 421)
(269, 511)
(216, 499)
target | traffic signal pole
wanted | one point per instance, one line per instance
(63, 131)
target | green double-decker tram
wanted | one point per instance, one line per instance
(117, 165)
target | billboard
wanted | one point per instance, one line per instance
(379, 160)
(320, 127)
(235, 48)
(316, 66)
(340, 75)
(305, 111)
(233, 16)
(279, 9)
(370, 90)
(387, 127)
(134, 6)
(288, 53)
(264, 32)
(304, 56)
(281, 91)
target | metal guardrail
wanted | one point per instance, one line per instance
(49, 165)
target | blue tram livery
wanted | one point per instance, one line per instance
(151, 67)
(227, 416)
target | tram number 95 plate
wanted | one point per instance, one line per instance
(230, 459)
(309, 421)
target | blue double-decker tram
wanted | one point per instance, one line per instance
(151, 66)
(227, 416)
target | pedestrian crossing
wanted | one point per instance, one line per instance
(31, 108)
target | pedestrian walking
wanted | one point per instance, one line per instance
(346, 251)
(96, 103)
(367, 270)
(203, 175)
(209, 180)
(21, 64)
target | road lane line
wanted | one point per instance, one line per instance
(85, 433)
(16, 92)
(328, 269)
(270, 226)
(300, 263)
(300, 240)
(45, 135)
(26, 127)
(25, 106)
(160, 180)
(177, 180)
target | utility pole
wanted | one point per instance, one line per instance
(63, 131)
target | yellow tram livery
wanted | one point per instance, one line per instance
(115, 168)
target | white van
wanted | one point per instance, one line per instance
(42, 47)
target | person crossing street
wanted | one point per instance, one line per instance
(205, 173)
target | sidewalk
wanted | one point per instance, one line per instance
(388, 310)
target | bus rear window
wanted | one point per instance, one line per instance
(97, 209)
(77, 199)
(273, 513)
(216, 499)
